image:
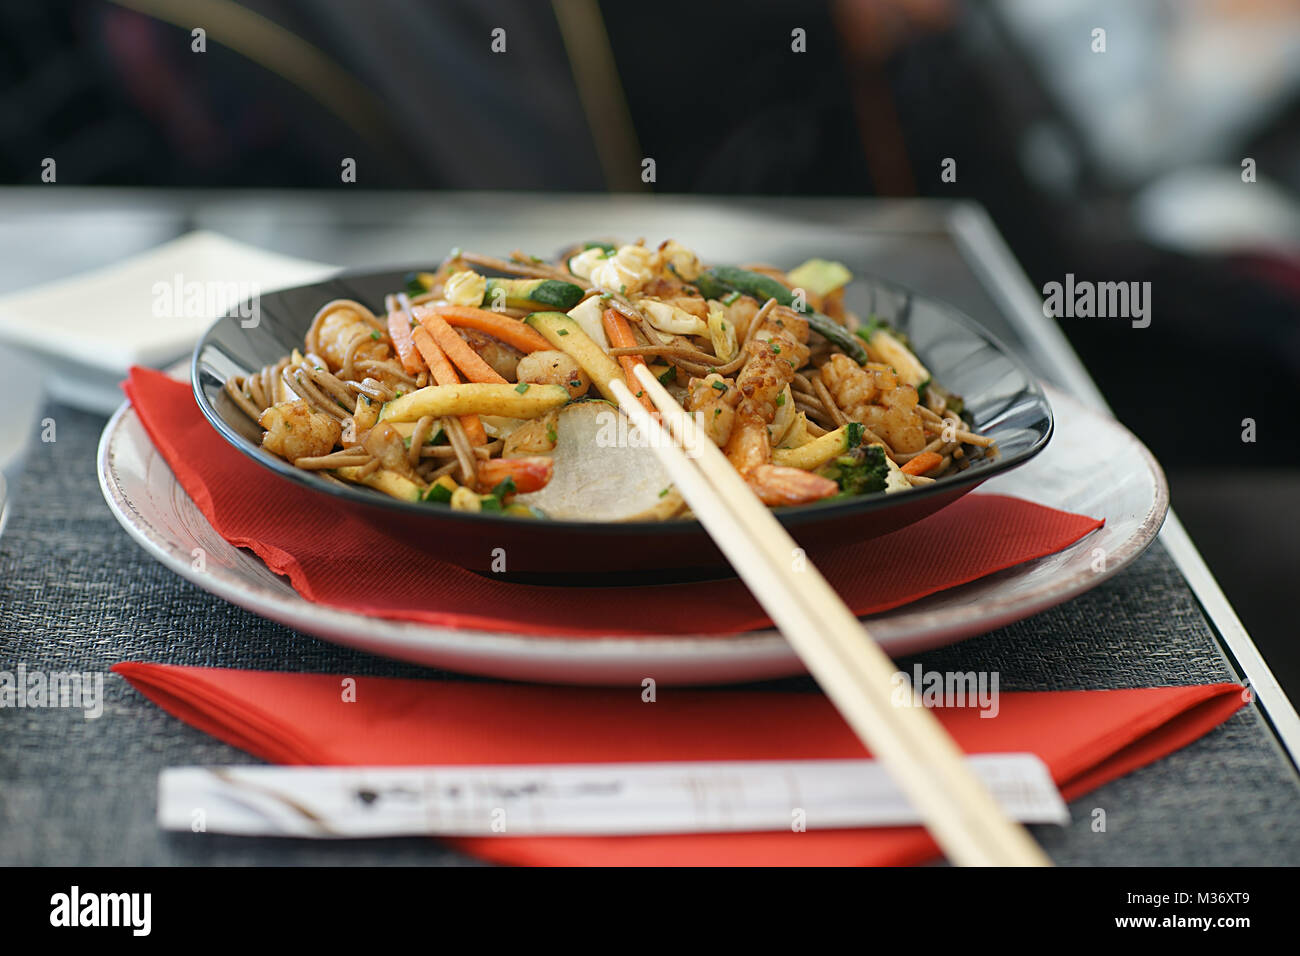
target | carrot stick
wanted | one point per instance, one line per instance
(399, 330)
(458, 350)
(445, 374)
(620, 337)
(921, 463)
(509, 330)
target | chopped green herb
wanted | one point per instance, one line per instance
(668, 376)
(720, 386)
(730, 298)
(780, 400)
(521, 387)
(375, 335)
(563, 331)
(505, 487)
(639, 394)
(575, 383)
(623, 289)
(438, 494)
(551, 436)
(776, 349)
(398, 395)
(665, 491)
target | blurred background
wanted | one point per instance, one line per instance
(1165, 148)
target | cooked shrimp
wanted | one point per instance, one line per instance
(503, 359)
(528, 474)
(341, 326)
(778, 485)
(872, 395)
(740, 313)
(549, 367)
(536, 437)
(775, 351)
(786, 331)
(663, 287)
(896, 420)
(691, 304)
(294, 431)
(712, 400)
(852, 386)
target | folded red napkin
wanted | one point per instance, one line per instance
(1086, 737)
(342, 561)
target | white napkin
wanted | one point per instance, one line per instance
(146, 310)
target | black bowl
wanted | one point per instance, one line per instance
(1001, 396)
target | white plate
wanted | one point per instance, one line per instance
(1093, 466)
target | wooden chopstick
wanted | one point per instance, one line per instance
(834, 645)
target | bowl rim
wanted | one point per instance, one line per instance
(791, 516)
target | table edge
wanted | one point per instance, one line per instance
(987, 253)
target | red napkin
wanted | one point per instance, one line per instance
(347, 563)
(1086, 737)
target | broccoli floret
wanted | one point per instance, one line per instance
(860, 470)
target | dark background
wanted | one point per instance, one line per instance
(1115, 166)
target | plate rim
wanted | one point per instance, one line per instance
(762, 654)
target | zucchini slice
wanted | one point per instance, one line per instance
(567, 336)
(531, 294)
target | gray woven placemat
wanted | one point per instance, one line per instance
(77, 594)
